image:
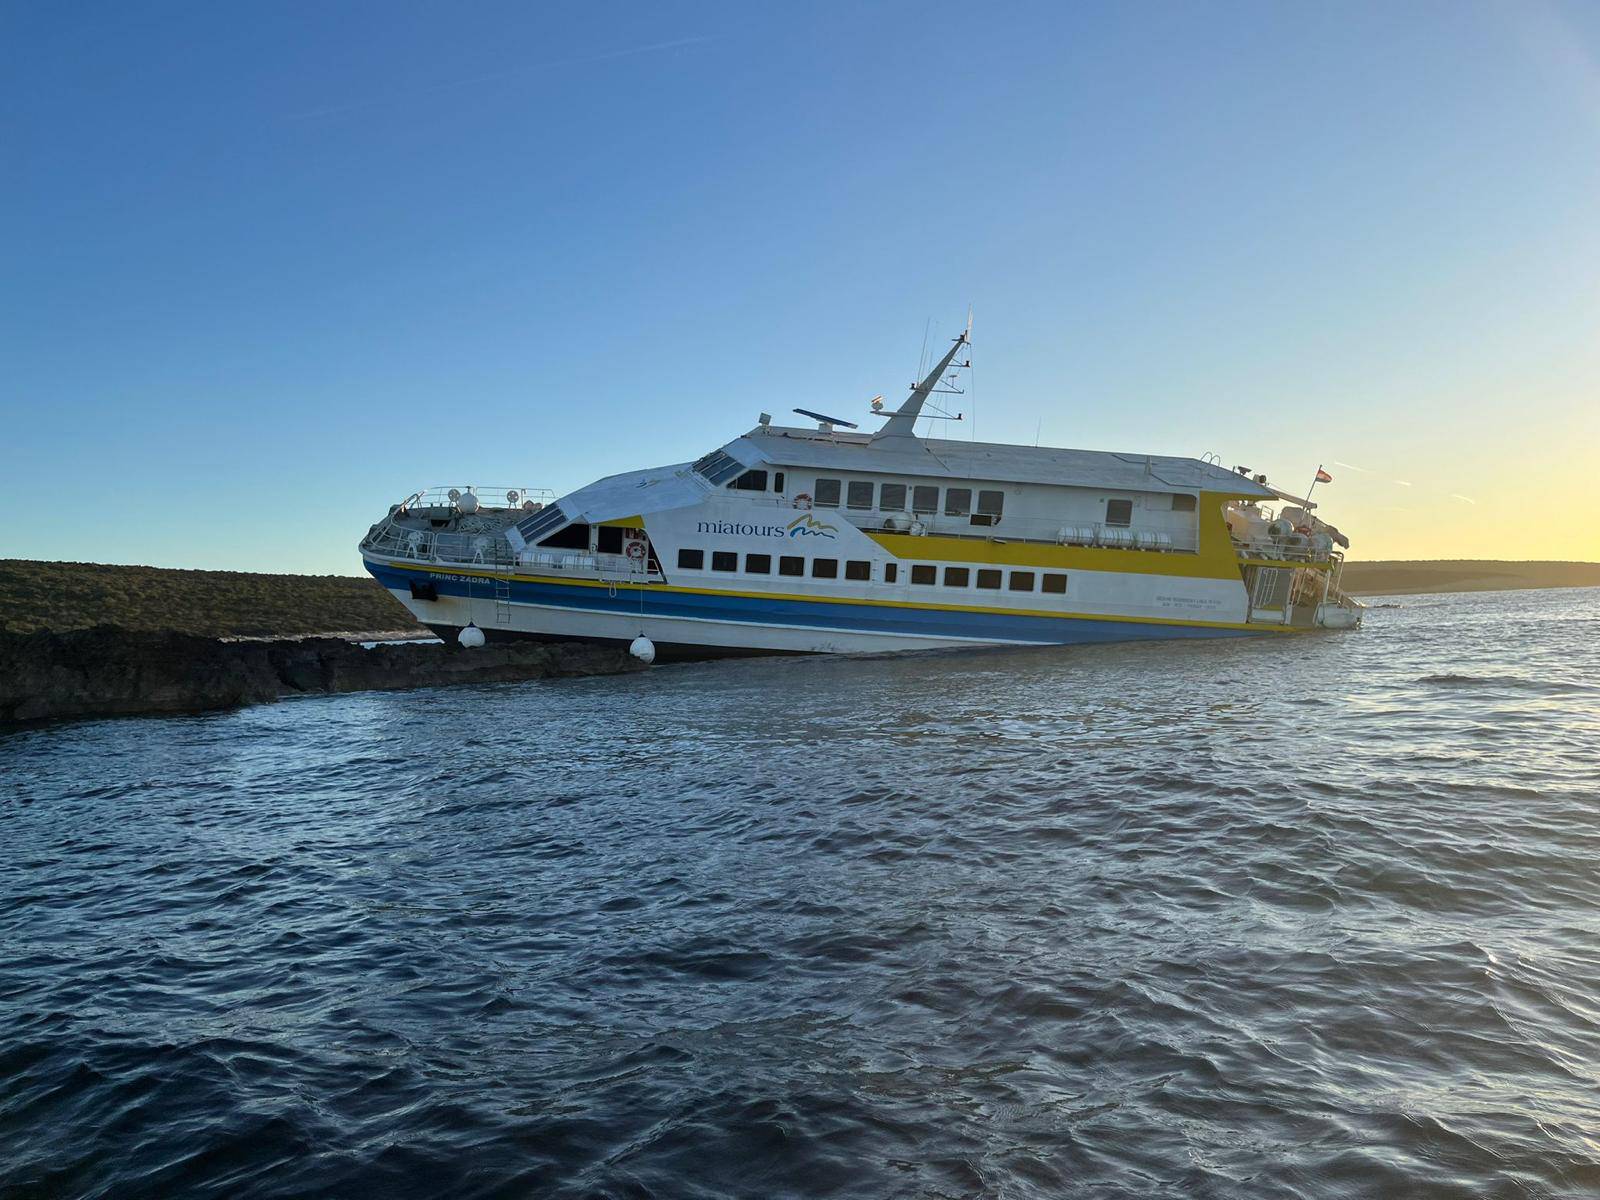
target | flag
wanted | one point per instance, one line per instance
(1323, 476)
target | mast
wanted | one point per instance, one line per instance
(903, 422)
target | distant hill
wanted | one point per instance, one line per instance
(62, 596)
(1464, 575)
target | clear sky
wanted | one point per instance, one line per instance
(267, 268)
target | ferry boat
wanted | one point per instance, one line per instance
(827, 539)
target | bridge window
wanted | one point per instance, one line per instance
(1022, 581)
(990, 505)
(924, 499)
(1183, 502)
(777, 481)
(859, 494)
(750, 481)
(956, 576)
(891, 572)
(724, 560)
(758, 564)
(573, 537)
(892, 498)
(1119, 513)
(791, 564)
(827, 493)
(923, 574)
(608, 539)
(957, 502)
(858, 569)
(692, 560)
(989, 580)
(824, 568)
(1055, 585)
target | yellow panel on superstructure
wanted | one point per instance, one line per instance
(1214, 559)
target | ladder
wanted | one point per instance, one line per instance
(502, 600)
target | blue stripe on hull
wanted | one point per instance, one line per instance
(857, 618)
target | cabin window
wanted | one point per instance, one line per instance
(1055, 585)
(858, 569)
(1183, 502)
(923, 574)
(827, 493)
(859, 494)
(957, 502)
(750, 481)
(989, 506)
(777, 481)
(724, 560)
(608, 539)
(692, 560)
(989, 580)
(1022, 581)
(924, 499)
(956, 576)
(758, 564)
(824, 568)
(573, 537)
(1119, 513)
(892, 498)
(891, 572)
(791, 564)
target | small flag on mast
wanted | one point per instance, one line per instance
(1323, 476)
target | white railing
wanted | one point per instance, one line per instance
(487, 547)
(489, 498)
(1280, 550)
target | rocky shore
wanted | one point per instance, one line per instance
(109, 671)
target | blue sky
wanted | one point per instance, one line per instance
(267, 269)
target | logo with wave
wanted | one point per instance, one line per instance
(808, 526)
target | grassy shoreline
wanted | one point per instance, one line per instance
(62, 596)
(1423, 576)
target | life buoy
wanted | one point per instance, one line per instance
(635, 551)
(803, 500)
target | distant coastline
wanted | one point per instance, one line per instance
(59, 596)
(1410, 577)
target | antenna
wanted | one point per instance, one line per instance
(816, 416)
(903, 421)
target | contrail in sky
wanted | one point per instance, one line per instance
(1351, 467)
(1459, 496)
(490, 77)
(1402, 483)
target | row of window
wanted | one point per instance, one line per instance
(922, 574)
(788, 564)
(863, 495)
(922, 499)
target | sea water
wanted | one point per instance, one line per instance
(1317, 917)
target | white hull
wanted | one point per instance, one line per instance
(552, 622)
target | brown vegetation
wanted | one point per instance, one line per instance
(61, 596)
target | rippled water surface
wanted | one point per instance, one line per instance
(1310, 918)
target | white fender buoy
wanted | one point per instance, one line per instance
(470, 637)
(642, 648)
